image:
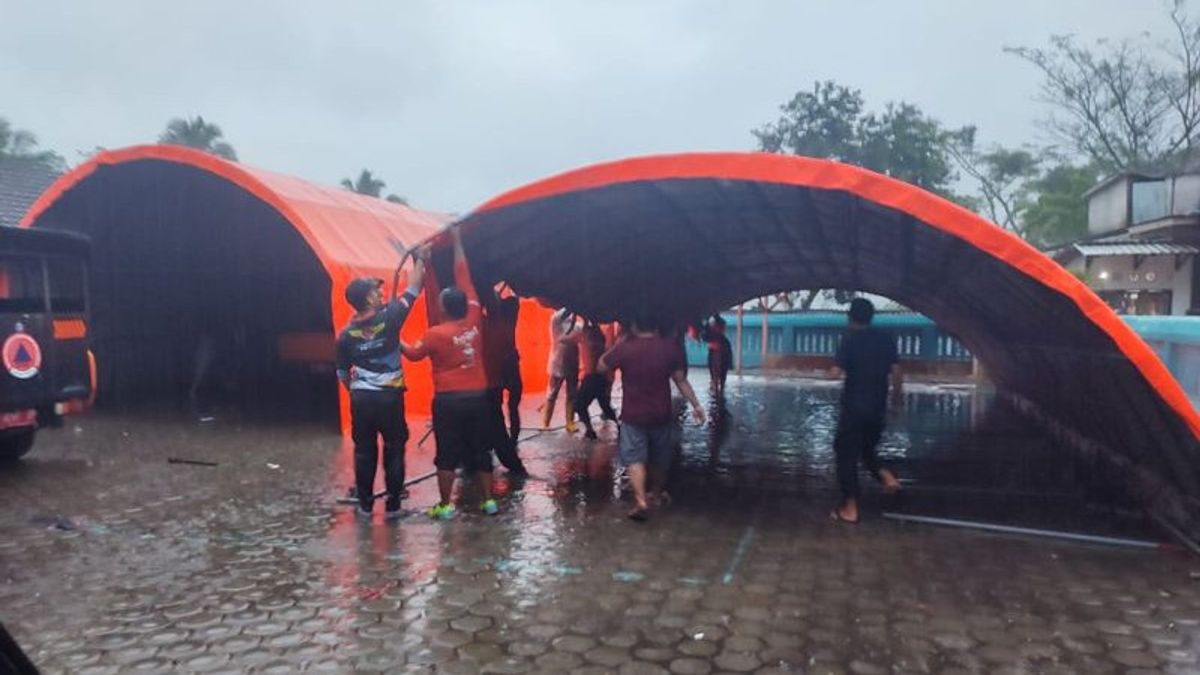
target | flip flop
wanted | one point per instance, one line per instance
(638, 515)
(837, 517)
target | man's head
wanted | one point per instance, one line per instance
(861, 312)
(364, 293)
(453, 302)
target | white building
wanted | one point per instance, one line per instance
(1143, 237)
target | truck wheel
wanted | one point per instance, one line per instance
(16, 443)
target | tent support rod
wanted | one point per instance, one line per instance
(1027, 531)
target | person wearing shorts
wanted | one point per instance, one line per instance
(563, 367)
(648, 363)
(461, 408)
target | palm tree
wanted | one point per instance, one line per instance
(368, 184)
(21, 144)
(196, 133)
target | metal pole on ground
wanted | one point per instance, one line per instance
(1026, 531)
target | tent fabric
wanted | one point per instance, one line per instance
(350, 234)
(681, 236)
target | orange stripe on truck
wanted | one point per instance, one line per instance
(69, 329)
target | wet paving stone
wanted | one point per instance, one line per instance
(263, 573)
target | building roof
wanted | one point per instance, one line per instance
(1103, 249)
(22, 180)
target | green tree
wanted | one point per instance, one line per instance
(1058, 213)
(1124, 105)
(372, 186)
(196, 133)
(831, 121)
(21, 144)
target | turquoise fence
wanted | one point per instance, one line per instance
(820, 333)
(1176, 340)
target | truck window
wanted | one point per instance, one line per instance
(21, 289)
(66, 284)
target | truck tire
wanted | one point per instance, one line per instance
(15, 444)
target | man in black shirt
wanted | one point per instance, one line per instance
(368, 365)
(867, 357)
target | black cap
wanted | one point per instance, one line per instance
(358, 290)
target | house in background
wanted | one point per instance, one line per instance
(1143, 237)
(22, 181)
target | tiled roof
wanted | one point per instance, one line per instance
(22, 181)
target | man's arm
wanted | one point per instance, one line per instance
(416, 276)
(416, 351)
(400, 306)
(462, 271)
(609, 361)
(838, 371)
(685, 388)
(343, 363)
(433, 310)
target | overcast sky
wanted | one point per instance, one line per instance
(454, 102)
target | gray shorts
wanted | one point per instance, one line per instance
(646, 445)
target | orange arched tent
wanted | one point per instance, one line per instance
(349, 234)
(681, 236)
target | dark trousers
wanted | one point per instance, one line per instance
(718, 369)
(594, 387)
(510, 381)
(502, 444)
(856, 439)
(374, 414)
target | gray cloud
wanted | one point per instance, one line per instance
(454, 102)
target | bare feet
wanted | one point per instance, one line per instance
(891, 484)
(847, 513)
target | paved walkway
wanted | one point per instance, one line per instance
(114, 560)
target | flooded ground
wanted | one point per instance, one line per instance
(113, 559)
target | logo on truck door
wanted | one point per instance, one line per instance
(22, 356)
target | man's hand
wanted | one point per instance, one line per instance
(416, 276)
(698, 414)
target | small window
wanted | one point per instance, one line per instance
(21, 288)
(66, 284)
(1149, 201)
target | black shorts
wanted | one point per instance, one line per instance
(461, 428)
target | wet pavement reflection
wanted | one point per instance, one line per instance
(114, 560)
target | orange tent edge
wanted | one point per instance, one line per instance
(920, 204)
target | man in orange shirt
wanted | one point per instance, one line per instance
(461, 412)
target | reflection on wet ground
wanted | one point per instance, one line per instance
(114, 560)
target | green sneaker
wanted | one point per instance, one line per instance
(490, 507)
(441, 511)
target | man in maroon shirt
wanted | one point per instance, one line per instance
(648, 364)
